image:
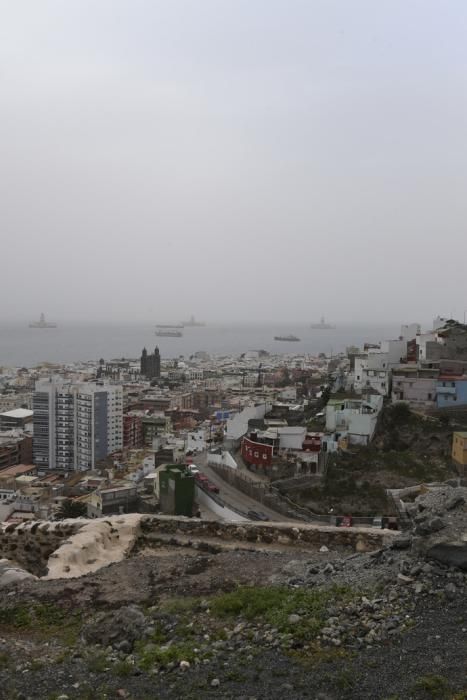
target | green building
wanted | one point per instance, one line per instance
(176, 490)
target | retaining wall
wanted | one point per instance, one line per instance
(75, 547)
(30, 544)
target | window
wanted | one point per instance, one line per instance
(429, 397)
(453, 384)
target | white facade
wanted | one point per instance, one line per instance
(237, 425)
(76, 424)
(291, 437)
(410, 331)
(422, 340)
(194, 374)
(396, 351)
(372, 371)
(354, 418)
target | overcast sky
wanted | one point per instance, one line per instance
(235, 159)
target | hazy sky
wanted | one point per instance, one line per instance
(235, 159)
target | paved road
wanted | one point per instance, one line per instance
(233, 496)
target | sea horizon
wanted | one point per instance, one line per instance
(21, 345)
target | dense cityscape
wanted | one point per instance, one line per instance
(97, 437)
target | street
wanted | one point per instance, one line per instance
(232, 496)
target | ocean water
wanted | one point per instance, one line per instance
(22, 346)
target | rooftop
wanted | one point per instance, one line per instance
(16, 470)
(17, 413)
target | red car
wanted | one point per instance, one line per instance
(212, 487)
(346, 521)
(202, 478)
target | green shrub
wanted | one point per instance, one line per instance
(432, 686)
(152, 655)
(274, 604)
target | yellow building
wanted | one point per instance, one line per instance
(459, 449)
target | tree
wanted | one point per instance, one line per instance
(71, 509)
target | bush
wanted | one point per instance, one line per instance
(432, 686)
(275, 603)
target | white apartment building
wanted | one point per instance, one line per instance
(76, 424)
(354, 419)
(374, 370)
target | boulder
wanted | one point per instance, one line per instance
(126, 625)
(450, 553)
(11, 574)
(455, 501)
(429, 526)
(403, 541)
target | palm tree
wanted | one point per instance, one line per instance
(71, 509)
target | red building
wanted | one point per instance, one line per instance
(312, 442)
(412, 350)
(256, 453)
(15, 450)
(133, 432)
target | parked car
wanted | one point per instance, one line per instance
(257, 515)
(211, 487)
(193, 469)
(201, 478)
(378, 521)
(346, 521)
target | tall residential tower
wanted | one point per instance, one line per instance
(76, 424)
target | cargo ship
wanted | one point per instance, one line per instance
(322, 325)
(42, 323)
(167, 333)
(169, 325)
(193, 323)
(287, 338)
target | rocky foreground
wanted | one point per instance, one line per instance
(196, 622)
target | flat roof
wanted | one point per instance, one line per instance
(17, 413)
(461, 433)
(17, 470)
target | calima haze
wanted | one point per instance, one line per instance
(235, 159)
(233, 349)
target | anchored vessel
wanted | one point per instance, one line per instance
(322, 325)
(169, 325)
(167, 333)
(193, 322)
(42, 323)
(287, 338)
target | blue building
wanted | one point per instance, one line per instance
(451, 391)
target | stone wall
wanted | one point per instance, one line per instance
(303, 535)
(30, 544)
(72, 548)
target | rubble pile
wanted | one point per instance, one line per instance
(440, 525)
